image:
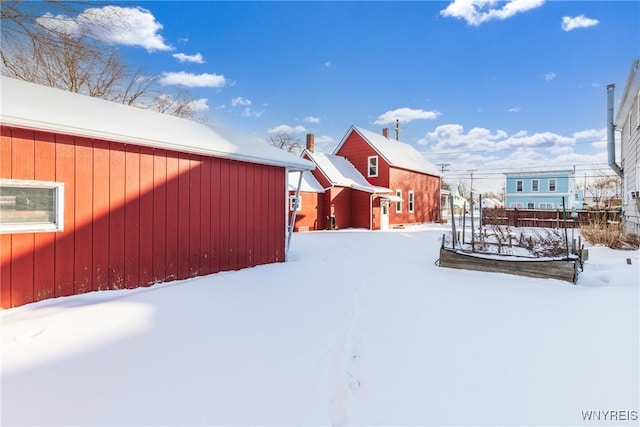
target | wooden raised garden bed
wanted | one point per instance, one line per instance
(547, 268)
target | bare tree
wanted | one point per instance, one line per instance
(286, 142)
(38, 47)
(604, 190)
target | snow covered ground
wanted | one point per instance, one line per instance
(359, 328)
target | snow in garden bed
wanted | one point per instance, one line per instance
(358, 328)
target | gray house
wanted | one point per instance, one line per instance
(627, 125)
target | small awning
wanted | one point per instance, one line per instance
(391, 198)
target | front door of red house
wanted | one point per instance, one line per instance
(384, 214)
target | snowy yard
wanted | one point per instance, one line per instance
(359, 328)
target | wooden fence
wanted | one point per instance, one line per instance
(546, 218)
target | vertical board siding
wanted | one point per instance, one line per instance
(223, 209)
(117, 199)
(22, 165)
(43, 256)
(205, 218)
(5, 239)
(132, 217)
(194, 217)
(100, 212)
(215, 215)
(136, 216)
(83, 236)
(171, 265)
(146, 234)
(64, 240)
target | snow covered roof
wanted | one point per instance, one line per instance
(38, 107)
(309, 183)
(396, 153)
(339, 171)
(630, 91)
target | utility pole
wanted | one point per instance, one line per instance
(397, 129)
(471, 171)
(443, 167)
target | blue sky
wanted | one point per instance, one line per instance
(483, 85)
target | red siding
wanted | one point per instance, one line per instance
(357, 150)
(43, 275)
(311, 214)
(426, 187)
(135, 216)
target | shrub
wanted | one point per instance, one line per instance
(600, 231)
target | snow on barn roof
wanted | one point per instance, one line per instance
(339, 171)
(396, 153)
(309, 183)
(38, 107)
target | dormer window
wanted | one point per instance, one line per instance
(372, 168)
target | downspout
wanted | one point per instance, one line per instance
(611, 141)
(293, 215)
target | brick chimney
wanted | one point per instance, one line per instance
(385, 132)
(310, 142)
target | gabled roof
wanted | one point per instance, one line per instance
(32, 106)
(340, 172)
(396, 153)
(309, 183)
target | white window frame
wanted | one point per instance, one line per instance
(519, 184)
(292, 199)
(57, 224)
(531, 205)
(399, 203)
(537, 185)
(555, 185)
(411, 202)
(545, 205)
(377, 164)
(517, 205)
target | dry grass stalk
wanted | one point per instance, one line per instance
(599, 231)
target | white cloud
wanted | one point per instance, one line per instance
(328, 64)
(452, 137)
(246, 103)
(515, 109)
(549, 76)
(287, 129)
(491, 153)
(240, 101)
(311, 119)
(580, 21)
(405, 115)
(476, 12)
(198, 104)
(197, 58)
(129, 26)
(192, 80)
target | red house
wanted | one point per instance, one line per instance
(371, 181)
(96, 195)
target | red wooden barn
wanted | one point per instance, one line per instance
(96, 195)
(371, 181)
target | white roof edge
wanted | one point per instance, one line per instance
(629, 92)
(539, 172)
(36, 107)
